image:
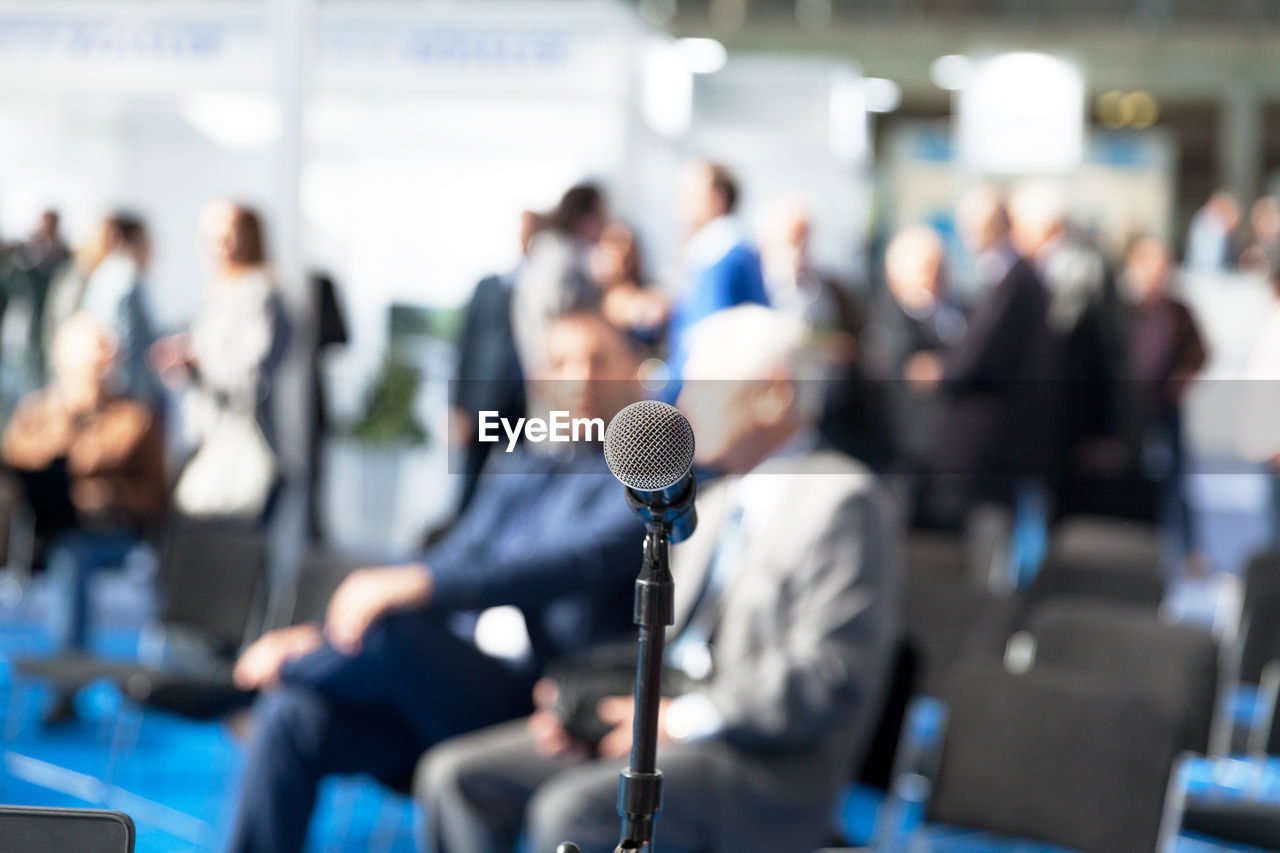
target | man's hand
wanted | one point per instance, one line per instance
(461, 427)
(369, 594)
(259, 666)
(172, 360)
(923, 371)
(621, 712)
(545, 727)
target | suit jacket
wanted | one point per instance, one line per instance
(488, 374)
(890, 340)
(992, 431)
(1088, 347)
(802, 648)
(551, 534)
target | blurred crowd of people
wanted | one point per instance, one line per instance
(88, 446)
(1056, 374)
(828, 416)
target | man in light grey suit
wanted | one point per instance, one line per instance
(786, 600)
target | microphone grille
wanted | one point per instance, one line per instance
(649, 445)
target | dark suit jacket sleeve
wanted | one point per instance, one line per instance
(838, 622)
(331, 321)
(1191, 351)
(999, 332)
(468, 338)
(589, 550)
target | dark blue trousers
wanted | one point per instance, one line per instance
(412, 685)
(74, 558)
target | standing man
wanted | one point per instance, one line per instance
(1087, 350)
(785, 612)
(40, 258)
(1213, 238)
(991, 435)
(1257, 433)
(914, 314)
(721, 269)
(488, 375)
(1167, 351)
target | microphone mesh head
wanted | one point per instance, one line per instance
(649, 446)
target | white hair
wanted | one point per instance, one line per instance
(750, 343)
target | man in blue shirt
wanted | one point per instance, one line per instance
(389, 673)
(721, 269)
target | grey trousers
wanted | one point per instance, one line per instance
(481, 790)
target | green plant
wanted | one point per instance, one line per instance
(389, 418)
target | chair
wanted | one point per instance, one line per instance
(1101, 540)
(1101, 558)
(1236, 799)
(978, 553)
(213, 575)
(951, 622)
(1254, 824)
(212, 694)
(318, 576)
(1260, 617)
(17, 543)
(1053, 756)
(1179, 663)
(44, 830)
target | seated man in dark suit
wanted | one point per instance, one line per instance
(785, 607)
(390, 672)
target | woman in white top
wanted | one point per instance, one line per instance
(228, 360)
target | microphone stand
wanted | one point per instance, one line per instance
(640, 789)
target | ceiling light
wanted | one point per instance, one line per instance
(950, 72)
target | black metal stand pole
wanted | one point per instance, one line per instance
(640, 792)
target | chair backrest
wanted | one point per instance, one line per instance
(1101, 558)
(930, 554)
(949, 623)
(214, 575)
(1136, 587)
(1179, 663)
(1261, 616)
(1057, 757)
(988, 530)
(978, 553)
(318, 576)
(1103, 542)
(42, 830)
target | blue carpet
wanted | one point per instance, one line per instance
(176, 778)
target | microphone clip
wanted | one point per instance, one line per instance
(675, 514)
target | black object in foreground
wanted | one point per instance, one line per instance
(41, 830)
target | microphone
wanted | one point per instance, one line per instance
(648, 446)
